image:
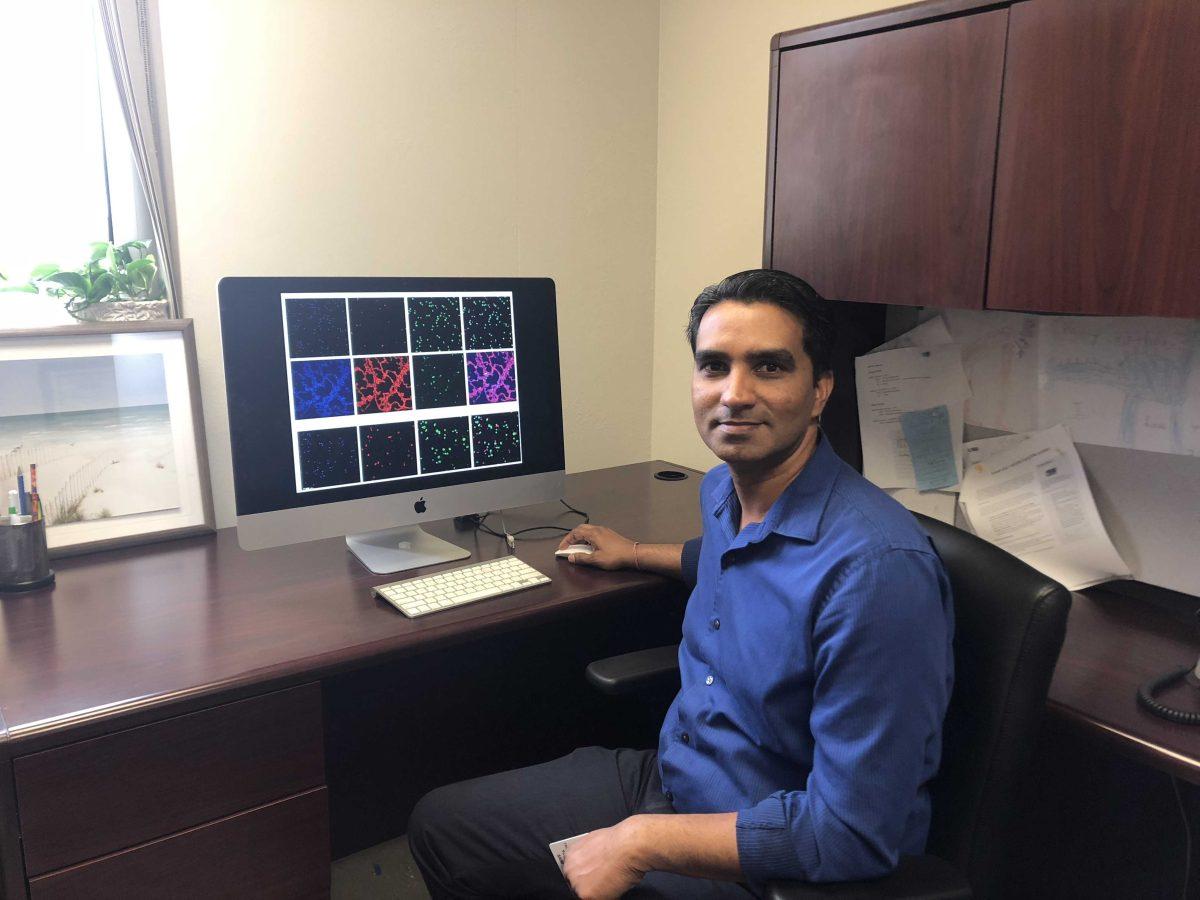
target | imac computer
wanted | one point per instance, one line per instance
(365, 406)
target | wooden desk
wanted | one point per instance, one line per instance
(186, 672)
(1115, 642)
(160, 706)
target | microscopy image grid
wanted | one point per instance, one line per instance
(352, 356)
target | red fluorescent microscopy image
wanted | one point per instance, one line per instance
(383, 384)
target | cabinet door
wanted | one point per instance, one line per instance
(1098, 180)
(885, 152)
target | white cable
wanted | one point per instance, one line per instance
(508, 538)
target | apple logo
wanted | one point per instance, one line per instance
(419, 506)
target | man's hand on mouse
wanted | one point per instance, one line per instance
(612, 550)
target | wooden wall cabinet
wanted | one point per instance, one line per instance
(1098, 177)
(1037, 155)
(884, 157)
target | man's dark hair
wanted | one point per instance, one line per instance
(794, 294)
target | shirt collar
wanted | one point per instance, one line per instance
(798, 510)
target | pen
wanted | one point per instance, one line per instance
(14, 517)
(35, 502)
(22, 503)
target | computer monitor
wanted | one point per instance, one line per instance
(365, 406)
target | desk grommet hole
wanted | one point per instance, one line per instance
(670, 475)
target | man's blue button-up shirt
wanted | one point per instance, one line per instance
(816, 667)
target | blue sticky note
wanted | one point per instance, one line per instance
(927, 432)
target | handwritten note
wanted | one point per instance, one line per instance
(931, 447)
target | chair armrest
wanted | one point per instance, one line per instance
(635, 671)
(915, 878)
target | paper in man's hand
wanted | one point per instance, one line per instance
(559, 849)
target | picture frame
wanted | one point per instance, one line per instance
(111, 416)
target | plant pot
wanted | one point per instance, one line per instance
(123, 311)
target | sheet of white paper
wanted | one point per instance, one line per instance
(999, 353)
(936, 504)
(898, 381)
(984, 448)
(930, 333)
(1033, 500)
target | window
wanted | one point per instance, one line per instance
(67, 177)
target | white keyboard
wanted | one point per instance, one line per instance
(454, 587)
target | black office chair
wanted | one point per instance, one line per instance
(1009, 626)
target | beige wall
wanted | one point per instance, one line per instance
(400, 137)
(615, 145)
(714, 63)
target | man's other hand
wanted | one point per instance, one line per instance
(604, 864)
(612, 550)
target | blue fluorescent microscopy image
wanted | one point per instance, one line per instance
(322, 388)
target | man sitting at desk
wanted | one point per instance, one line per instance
(816, 662)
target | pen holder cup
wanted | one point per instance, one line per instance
(24, 558)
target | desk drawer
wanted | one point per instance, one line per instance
(117, 791)
(280, 850)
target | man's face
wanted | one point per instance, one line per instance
(753, 392)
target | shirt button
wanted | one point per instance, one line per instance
(716, 624)
(708, 680)
(670, 797)
(684, 737)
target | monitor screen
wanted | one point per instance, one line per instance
(342, 390)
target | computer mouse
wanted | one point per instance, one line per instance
(576, 548)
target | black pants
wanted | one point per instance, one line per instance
(490, 837)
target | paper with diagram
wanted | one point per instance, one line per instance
(1131, 383)
(1128, 382)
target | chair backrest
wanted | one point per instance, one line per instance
(1009, 626)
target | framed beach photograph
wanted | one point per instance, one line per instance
(104, 423)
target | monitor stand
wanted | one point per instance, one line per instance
(398, 549)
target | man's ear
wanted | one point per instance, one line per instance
(822, 389)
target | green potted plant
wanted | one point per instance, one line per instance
(22, 287)
(119, 282)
